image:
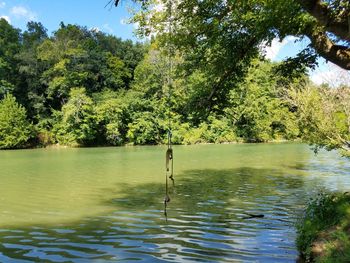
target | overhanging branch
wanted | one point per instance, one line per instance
(338, 54)
(336, 24)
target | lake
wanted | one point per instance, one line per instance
(106, 204)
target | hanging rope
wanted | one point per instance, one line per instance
(169, 156)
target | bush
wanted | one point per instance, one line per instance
(44, 138)
(145, 129)
(110, 114)
(323, 212)
(76, 123)
(15, 130)
(221, 131)
(197, 135)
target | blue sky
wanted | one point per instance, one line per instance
(326, 72)
(94, 14)
(89, 13)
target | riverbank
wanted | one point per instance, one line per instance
(324, 229)
(58, 145)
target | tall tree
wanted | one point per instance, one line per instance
(221, 38)
(81, 57)
(9, 47)
(30, 89)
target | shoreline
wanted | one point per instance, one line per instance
(58, 146)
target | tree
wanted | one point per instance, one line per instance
(9, 47)
(41, 71)
(113, 115)
(257, 107)
(80, 57)
(15, 130)
(324, 116)
(76, 123)
(221, 38)
(30, 89)
(146, 129)
(329, 26)
(241, 26)
(130, 53)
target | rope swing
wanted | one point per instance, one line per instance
(169, 156)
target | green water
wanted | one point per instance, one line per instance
(106, 204)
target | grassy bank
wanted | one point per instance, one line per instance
(324, 229)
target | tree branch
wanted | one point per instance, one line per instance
(229, 72)
(338, 54)
(337, 25)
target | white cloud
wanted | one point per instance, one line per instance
(330, 74)
(22, 12)
(108, 28)
(273, 49)
(2, 4)
(6, 18)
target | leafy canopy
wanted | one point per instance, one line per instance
(226, 31)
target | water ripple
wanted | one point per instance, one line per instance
(99, 207)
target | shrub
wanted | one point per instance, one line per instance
(15, 130)
(323, 212)
(76, 122)
(145, 129)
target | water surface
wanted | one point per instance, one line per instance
(106, 204)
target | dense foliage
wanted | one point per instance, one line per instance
(222, 38)
(324, 227)
(15, 130)
(231, 31)
(324, 116)
(81, 87)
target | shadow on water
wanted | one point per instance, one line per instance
(220, 191)
(205, 222)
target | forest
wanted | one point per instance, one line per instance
(82, 87)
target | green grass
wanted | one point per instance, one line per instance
(326, 220)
